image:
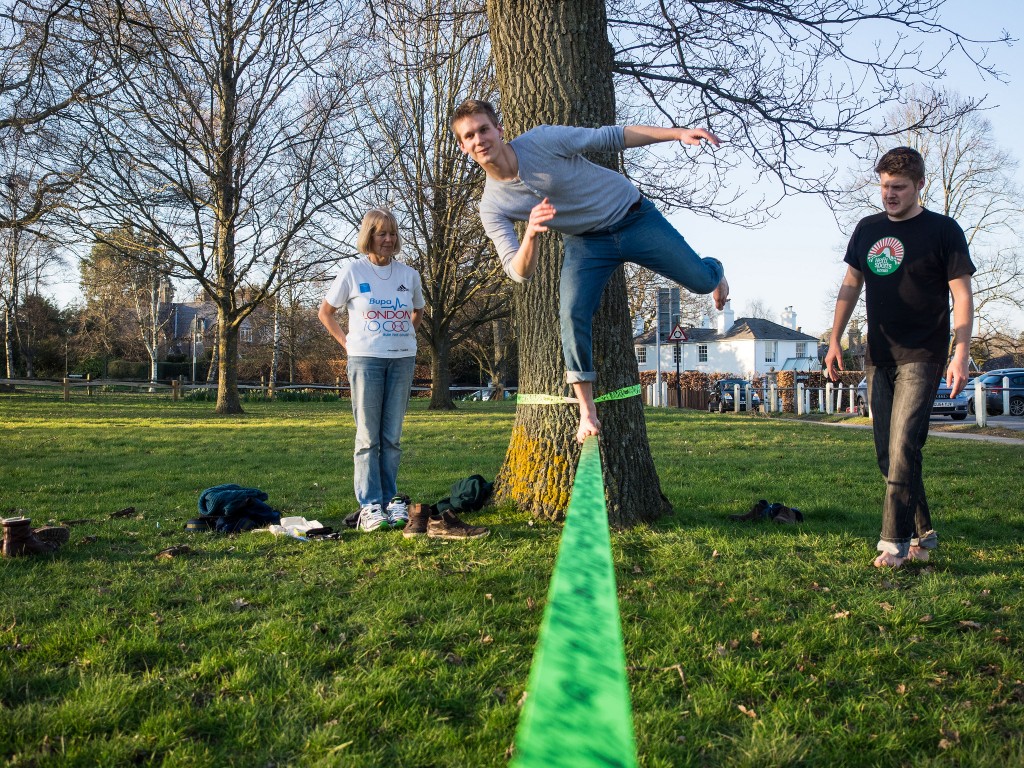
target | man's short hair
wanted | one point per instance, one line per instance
(475, 107)
(902, 161)
(374, 221)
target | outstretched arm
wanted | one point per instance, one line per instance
(849, 293)
(642, 135)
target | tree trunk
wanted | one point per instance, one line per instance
(440, 375)
(275, 351)
(9, 343)
(499, 374)
(228, 400)
(151, 335)
(554, 66)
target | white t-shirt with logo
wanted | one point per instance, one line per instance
(380, 301)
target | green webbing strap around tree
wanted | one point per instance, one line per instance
(577, 712)
(618, 394)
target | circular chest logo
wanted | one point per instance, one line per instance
(885, 256)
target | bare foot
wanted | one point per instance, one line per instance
(920, 554)
(589, 425)
(885, 560)
(721, 294)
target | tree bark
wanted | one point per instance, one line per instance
(440, 375)
(228, 401)
(554, 65)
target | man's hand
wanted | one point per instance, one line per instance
(540, 215)
(524, 263)
(956, 375)
(694, 136)
(834, 360)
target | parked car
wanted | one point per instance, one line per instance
(722, 396)
(488, 394)
(993, 383)
(954, 407)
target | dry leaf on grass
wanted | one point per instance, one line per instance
(748, 712)
(172, 552)
(841, 615)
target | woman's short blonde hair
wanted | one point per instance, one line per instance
(374, 221)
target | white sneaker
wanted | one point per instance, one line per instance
(398, 511)
(372, 517)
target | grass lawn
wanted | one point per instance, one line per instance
(751, 645)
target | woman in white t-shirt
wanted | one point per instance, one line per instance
(384, 300)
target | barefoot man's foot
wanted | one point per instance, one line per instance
(885, 560)
(589, 425)
(721, 294)
(920, 554)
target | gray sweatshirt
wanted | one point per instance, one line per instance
(587, 197)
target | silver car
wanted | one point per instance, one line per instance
(954, 407)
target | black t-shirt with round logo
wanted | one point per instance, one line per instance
(907, 266)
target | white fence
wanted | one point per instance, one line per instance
(838, 398)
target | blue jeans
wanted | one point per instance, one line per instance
(380, 396)
(642, 237)
(901, 398)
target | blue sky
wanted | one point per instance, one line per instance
(795, 260)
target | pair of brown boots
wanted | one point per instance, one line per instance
(20, 538)
(426, 520)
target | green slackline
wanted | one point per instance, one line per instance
(618, 394)
(577, 712)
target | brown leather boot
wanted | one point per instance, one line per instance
(57, 535)
(20, 540)
(419, 514)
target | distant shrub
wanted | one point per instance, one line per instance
(128, 369)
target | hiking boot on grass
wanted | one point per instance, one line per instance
(372, 518)
(447, 525)
(757, 513)
(55, 535)
(784, 514)
(419, 514)
(20, 540)
(398, 511)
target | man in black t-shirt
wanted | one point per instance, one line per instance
(909, 261)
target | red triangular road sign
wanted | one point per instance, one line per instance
(678, 334)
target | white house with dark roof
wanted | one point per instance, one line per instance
(747, 346)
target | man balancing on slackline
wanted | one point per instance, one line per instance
(543, 179)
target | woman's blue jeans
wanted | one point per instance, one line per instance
(901, 399)
(380, 397)
(642, 237)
